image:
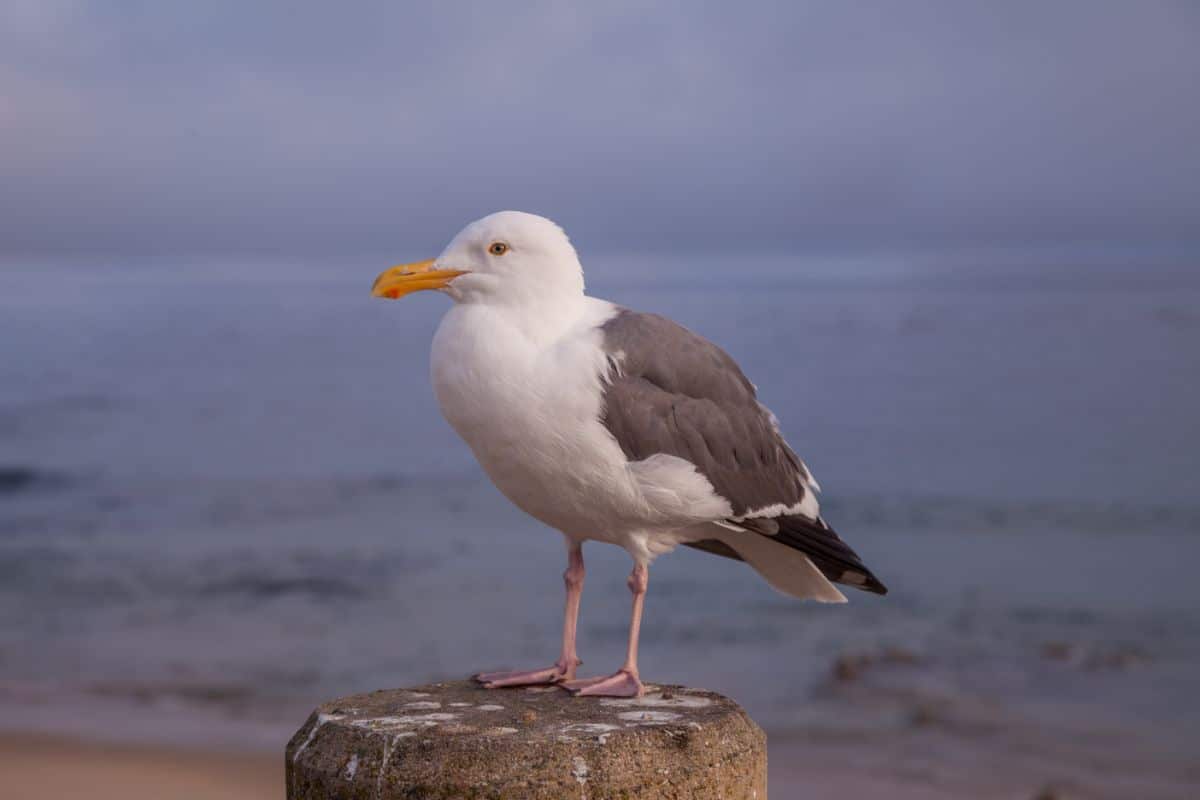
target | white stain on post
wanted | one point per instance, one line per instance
(600, 730)
(312, 734)
(580, 771)
(501, 731)
(658, 701)
(649, 717)
(383, 765)
(417, 720)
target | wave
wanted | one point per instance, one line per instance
(984, 516)
(99, 505)
(18, 478)
(260, 586)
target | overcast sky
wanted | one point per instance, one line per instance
(285, 127)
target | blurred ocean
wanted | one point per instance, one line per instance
(226, 494)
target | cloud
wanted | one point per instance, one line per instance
(294, 127)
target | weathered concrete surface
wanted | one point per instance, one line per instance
(455, 740)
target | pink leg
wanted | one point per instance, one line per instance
(568, 661)
(625, 681)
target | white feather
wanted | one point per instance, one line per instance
(787, 570)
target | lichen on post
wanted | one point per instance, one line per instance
(456, 740)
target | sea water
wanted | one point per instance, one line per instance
(226, 494)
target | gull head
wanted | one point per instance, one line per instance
(509, 257)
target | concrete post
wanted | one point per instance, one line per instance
(455, 740)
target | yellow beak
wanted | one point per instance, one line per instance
(405, 279)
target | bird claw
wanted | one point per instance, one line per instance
(620, 684)
(532, 677)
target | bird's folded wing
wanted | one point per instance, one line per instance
(670, 391)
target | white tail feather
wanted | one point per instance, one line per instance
(785, 568)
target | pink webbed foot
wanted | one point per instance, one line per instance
(622, 683)
(561, 671)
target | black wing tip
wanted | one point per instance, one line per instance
(874, 586)
(832, 556)
(859, 579)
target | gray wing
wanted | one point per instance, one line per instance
(672, 391)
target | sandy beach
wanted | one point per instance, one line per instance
(49, 768)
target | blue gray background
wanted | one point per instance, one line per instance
(143, 127)
(955, 245)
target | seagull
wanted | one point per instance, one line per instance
(613, 425)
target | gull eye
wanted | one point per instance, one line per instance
(498, 248)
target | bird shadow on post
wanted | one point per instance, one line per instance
(457, 740)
